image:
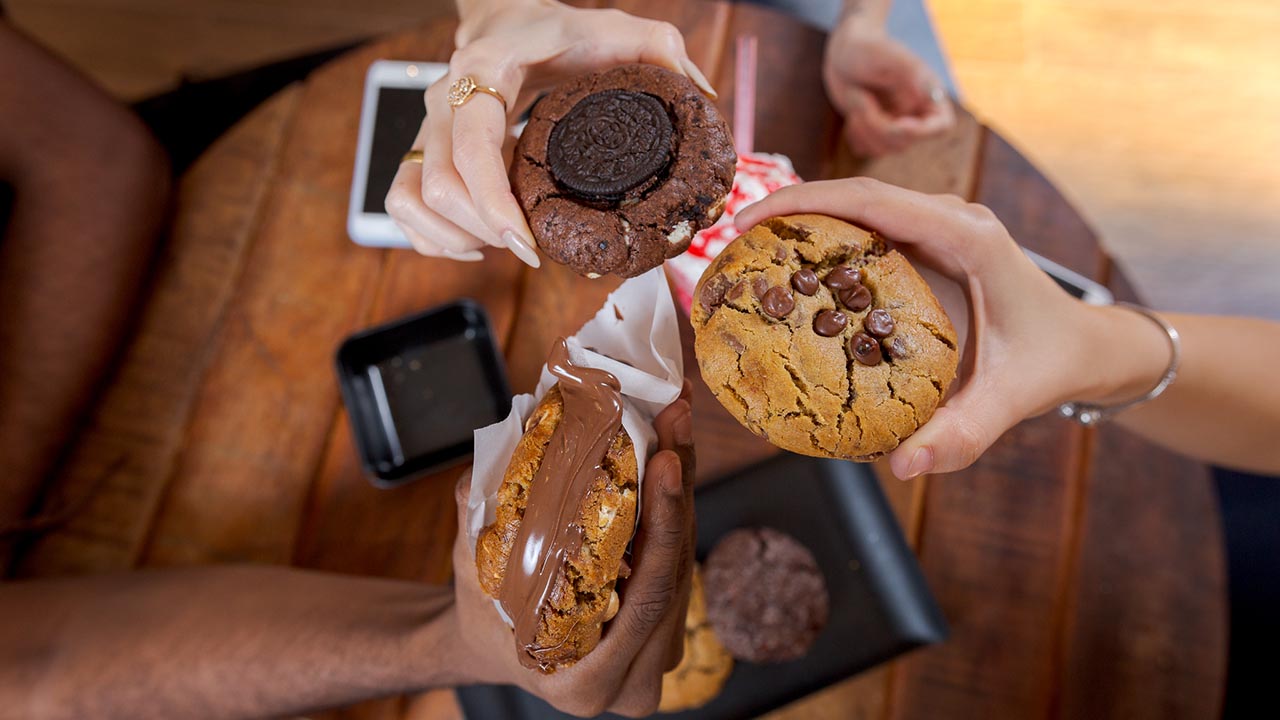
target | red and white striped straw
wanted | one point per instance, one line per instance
(744, 94)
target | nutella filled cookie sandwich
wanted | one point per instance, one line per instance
(618, 170)
(565, 512)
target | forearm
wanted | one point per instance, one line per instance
(220, 642)
(90, 187)
(874, 9)
(1224, 406)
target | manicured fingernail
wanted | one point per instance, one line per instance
(682, 428)
(921, 463)
(698, 78)
(522, 248)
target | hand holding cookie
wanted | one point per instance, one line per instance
(623, 672)
(459, 199)
(1022, 356)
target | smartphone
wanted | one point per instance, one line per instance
(1073, 282)
(391, 113)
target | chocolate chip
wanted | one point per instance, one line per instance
(843, 277)
(879, 323)
(778, 302)
(830, 323)
(736, 291)
(780, 253)
(896, 348)
(856, 298)
(734, 343)
(865, 349)
(611, 142)
(712, 293)
(760, 286)
(805, 281)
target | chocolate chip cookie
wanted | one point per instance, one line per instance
(617, 170)
(766, 597)
(581, 595)
(706, 664)
(820, 339)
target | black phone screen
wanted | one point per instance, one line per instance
(396, 120)
(1075, 290)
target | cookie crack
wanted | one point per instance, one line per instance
(893, 393)
(733, 392)
(937, 334)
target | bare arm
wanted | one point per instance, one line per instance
(1224, 406)
(1034, 347)
(257, 641)
(219, 642)
(90, 188)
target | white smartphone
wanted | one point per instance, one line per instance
(392, 111)
(1072, 281)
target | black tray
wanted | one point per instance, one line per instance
(417, 387)
(880, 605)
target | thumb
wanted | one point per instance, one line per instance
(461, 496)
(957, 434)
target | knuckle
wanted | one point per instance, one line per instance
(461, 489)
(468, 57)
(667, 37)
(436, 192)
(648, 611)
(397, 202)
(970, 441)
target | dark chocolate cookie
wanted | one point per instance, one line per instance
(618, 170)
(766, 597)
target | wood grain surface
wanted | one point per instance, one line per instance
(1077, 569)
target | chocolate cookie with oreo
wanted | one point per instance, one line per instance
(617, 170)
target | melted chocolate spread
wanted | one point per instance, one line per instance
(549, 533)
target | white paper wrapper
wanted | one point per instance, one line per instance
(635, 337)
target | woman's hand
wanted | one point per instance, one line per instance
(459, 198)
(623, 674)
(1031, 346)
(888, 96)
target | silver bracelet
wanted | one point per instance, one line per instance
(1089, 414)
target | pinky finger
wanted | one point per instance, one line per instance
(411, 215)
(430, 249)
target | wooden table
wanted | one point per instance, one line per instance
(1082, 571)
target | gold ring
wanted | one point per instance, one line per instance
(464, 88)
(412, 156)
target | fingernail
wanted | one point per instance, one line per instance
(698, 78)
(671, 482)
(921, 462)
(522, 248)
(682, 428)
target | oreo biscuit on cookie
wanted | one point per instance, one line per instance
(618, 170)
